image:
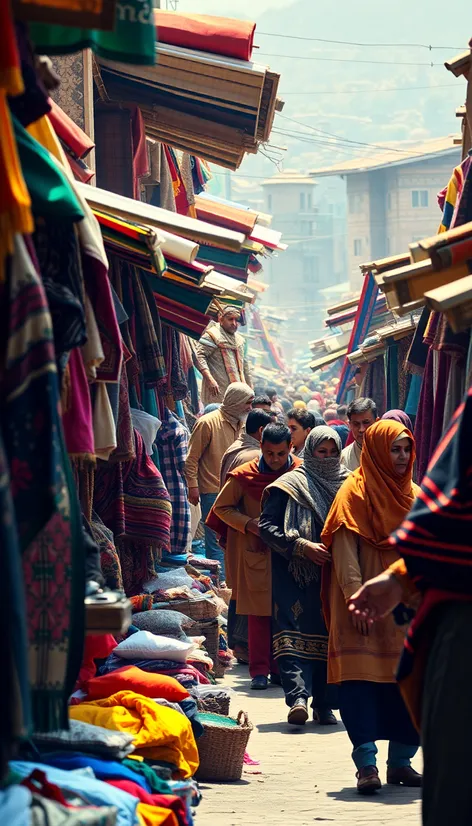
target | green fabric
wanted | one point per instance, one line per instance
(217, 719)
(132, 41)
(196, 299)
(157, 785)
(216, 256)
(50, 192)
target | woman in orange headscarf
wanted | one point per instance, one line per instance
(362, 658)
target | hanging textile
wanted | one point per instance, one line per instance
(133, 502)
(362, 321)
(43, 495)
(131, 40)
(172, 443)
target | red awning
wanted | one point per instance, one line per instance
(219, 35)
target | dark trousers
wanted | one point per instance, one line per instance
(261, 662)
(304, 679)
(446, 722)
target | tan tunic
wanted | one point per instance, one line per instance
(211, 437)
(352, 656)
(210, 358)
(248, 570)
(351, 456)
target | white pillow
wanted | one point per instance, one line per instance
(144, 645)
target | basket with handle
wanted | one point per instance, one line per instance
(222, 746)
(211, 631)
(196, 609)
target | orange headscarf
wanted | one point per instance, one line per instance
(374, 500)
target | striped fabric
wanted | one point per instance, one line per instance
(435, 539)
(365, 311)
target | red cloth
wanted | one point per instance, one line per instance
(77, 416)
(146, 683)
(219, 35)
(68, 131)
(166, 801)
(261, 662)
(253, 483)
(97, 647)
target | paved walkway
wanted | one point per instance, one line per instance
(307, 775)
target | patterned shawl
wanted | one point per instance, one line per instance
(133, 502)
(311, 489)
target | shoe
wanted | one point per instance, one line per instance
(324, 717)
(368, 780)
(275, 679)
(404, 776)
(298, 714)
(260, 683)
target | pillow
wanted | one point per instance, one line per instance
(141, 682)
(147, 646)
(166, 623)
(176, 577)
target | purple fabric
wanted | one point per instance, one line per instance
(399, 416)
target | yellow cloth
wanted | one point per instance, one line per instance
(159, 732)
(156, 816)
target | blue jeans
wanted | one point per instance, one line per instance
(399, 755)
(212, 549)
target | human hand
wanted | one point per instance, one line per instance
(361, 625)
(214, 386)
(376, 599)
(316, 552)
(253, 527)
(193, 496)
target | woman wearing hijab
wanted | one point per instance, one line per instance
(362, 659)
(294, 511)
(398, 416)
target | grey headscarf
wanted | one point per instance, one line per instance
(235, 399)
(311, 489)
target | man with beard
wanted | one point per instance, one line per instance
(221, 356)
(212, 436)
(361, 414)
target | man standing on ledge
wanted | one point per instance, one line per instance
(221, 356)
(361, 414)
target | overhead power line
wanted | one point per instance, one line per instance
(349, 60)
(371, 91)
(346, 140)
(354, 43)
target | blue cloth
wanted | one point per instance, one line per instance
(103, 769)
(15, 803)
(399, 755)
(172, 444)
(212, 548)
(190, 709)
(413, 399)
(95, 791)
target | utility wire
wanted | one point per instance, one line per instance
(348, 60)
(354, 43)
(348, 140)
(371, 91)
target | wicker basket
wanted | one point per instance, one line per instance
(216, 705)
(219, 668)
(222, 750)
(211, 631)
(196, 609)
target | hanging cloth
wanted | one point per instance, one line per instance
(131, 40)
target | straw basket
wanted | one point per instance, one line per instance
(211, 631)
(222, 748)
(215, 705)
(220, 669)
(196, 609)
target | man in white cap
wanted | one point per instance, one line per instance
(221, 356)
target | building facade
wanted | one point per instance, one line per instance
(392, 200)
(310, 263)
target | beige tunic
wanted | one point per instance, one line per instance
(211, 437)
(248, 568)
(351, 456)
(352, 656)
(209, 357)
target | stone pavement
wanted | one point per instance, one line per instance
(307, 775)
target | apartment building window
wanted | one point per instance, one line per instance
(302, 201)
(309, 203)
(269, 202)
(307, 229)
(357, 247)
(419, 198)
(389, 201)
(355, 203)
